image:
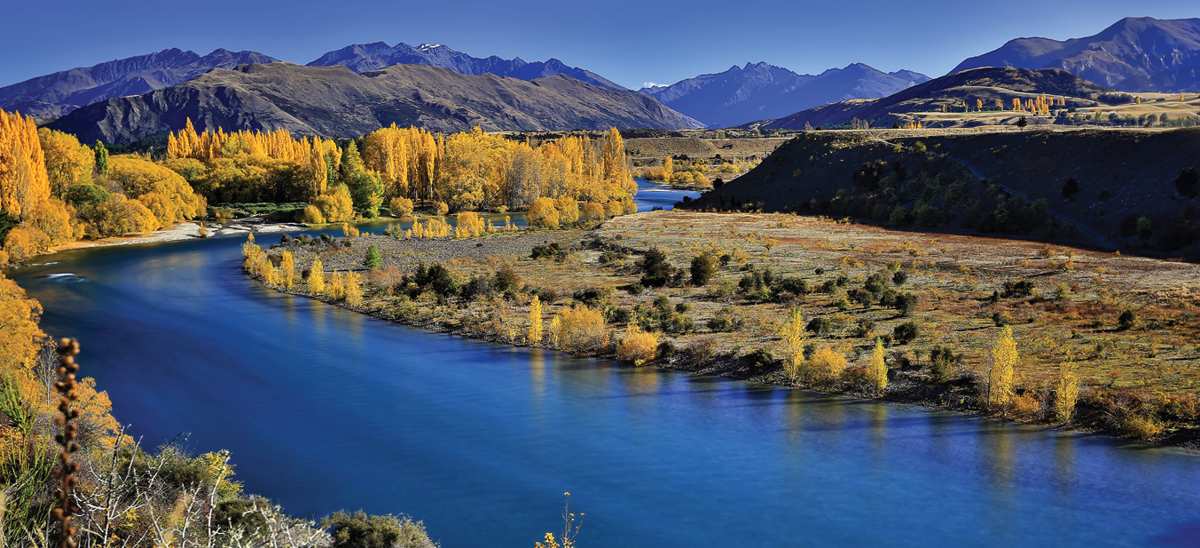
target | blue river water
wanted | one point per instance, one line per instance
(326, 410)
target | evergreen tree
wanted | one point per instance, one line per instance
(373, 259)
(101, 158)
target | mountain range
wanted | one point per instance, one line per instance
(985, 84)
(57, 94)
(1135, 54)
(759, 91)
(337, 102)
(368, 57)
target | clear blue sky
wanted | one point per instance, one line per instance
(629, 42)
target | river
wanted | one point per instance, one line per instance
(325, 410)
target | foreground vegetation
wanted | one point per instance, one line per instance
(1025, 331)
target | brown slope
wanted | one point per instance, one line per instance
(1119, 172)
(336, 102)
(986, 84)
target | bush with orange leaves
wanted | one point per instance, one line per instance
(638, 346)
(582, 329)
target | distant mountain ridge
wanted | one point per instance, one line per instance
(59, 93)
(337, 102)
(760, 91)
(1134, 54)
(985, 84)
(367, 57)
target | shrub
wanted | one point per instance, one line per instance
(1070, 188)
(373, 258)
(468, 224)
(592, 211)
(358, 530)
(1143, 428)
(400, 207)
(820, 326)
(1188, 182)
(726, 319)
(826, 365)
(906, 332)
(581, 329)
(656, 271)
(543, 212)
(704, 267)
(941, 358)
(678, 324)
(507, 280)
(1017, 288)
(540, 251)
(899, 277)
(906, 303)
(637, 346)
(1128, 320)
(665, 350)
(758, 361)
(591, 296)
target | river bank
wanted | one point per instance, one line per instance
(1067, 312)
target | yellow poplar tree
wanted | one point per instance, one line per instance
(535, 321)
(354, 292)
(793, 341)
(287, 269)
(1001, 361)
(1068, 392)
(877, 368)
(316, 278)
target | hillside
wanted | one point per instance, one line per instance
(59, 93)
(950, 92)
(336, 102)
(1129, 56)
(760, 91)
(378, 55)
(1120, 175)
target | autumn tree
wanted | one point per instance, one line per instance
(534, 336)
(1067, 393)
(287, 270)
(1000, 363)
(877, 367)
(792, 333)
(67, 162)
(316, 277)
(637, 346)
(353, 289)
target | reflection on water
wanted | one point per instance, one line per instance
(325, 410)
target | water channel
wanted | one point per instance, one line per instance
(325, 410)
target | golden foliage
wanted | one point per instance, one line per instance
(354, 292)
(827, 365)
(53, 218)
(349, 230)
(581, 329)
(287, 270)
(24, 242)
(534, 336)
(592, 211)
(24, 182)
(336, 288)
(140, 177)
(316, 277)
(336, 206)
(1068, 392)
(877, 368)
(468, 225)
(67, 162)
(543, 213)
(792, 333)
(637, 346)
(313, 216)
(1001, 362)
(400, 207)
